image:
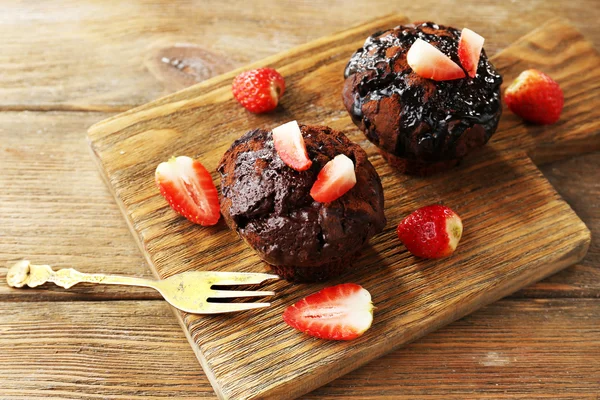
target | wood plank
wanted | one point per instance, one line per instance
(512, 239)
(568, 57)
(516, 348)
(43, 222)
(26, 49)
(55, 209)
(512, 349)
(578, 182)
(575, 64)
(122, 350)
(74, 55)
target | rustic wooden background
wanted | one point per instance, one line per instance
(66, 65)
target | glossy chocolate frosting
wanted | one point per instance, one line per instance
(416, 118)
(269, 203)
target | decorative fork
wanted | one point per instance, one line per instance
(188, 291)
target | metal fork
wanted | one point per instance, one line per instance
(188, 291)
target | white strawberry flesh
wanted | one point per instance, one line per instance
(430, 63)
(335, 179)
(290, 146)
(454, 229)
(469, 50)
(342, 312)
(188, 188)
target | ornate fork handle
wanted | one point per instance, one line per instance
(24, 273)
(188, 291)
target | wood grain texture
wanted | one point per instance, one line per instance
(91, 55)
(54, 208)
(554, 355)
(526, 349)
(506, 204)
(78, 55)
(124, 349)
(77, 224)
(575, 64)
(420, 369)
(578, 182)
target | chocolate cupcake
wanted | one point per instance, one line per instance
(420, 125)
(269, 204)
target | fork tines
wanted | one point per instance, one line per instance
(221, 278)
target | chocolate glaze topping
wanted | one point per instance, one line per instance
(269, 203)
(413, 117)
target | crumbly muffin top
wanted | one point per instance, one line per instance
(269, 203)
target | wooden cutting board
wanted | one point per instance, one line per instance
(517, 228)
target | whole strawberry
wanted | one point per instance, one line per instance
(535, 97)
(431, 232)
(258, 90)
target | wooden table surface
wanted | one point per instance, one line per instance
(65, 65)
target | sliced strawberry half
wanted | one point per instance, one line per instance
(188, 188)
(469, 50)
(342, 312)
(289, 144)
(334, 180)
(430, 63)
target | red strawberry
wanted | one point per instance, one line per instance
(469, 50)
(342, 312)
(189, 189)
(289, 144)
(428, 62)
(431, 232)
(535, 97)
(334, 180)
(258, 90)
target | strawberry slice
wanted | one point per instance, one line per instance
(469, 50)
(188, 188)
(428, 62)
(342, 312)
(334, 180)
(289, 144)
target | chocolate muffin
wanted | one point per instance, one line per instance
(420, 125)
(269, 204)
